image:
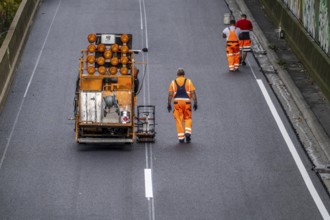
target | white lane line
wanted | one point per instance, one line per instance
(42, 49)
(148, 183)
(148, 149)
(11, 134)
(147, 155)
(27, 88)
(148, 81)
(141, 15)
(294, 153)
(145, 23)
(251, 68)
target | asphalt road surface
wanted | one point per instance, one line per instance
(244, 161)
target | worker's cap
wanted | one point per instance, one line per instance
(180, 72)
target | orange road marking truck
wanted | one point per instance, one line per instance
(106, 90)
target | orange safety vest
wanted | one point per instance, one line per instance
(232, 38)
(189, 87)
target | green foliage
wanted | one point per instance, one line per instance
(8, 10)
(281, 62)
(273, 47)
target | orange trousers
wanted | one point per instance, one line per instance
(233, 54)
(245, 45)
(182, 115)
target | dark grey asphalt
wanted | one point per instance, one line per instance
(237, 167)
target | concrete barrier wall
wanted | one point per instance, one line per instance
(305, 47)
(314, 16)
(14, 42)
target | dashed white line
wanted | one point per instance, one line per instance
(146, 92)
(141, 19)
(145, 23)
(148, 183)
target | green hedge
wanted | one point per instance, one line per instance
(8, 10)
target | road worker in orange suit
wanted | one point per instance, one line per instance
(182, 90)
(232, 48)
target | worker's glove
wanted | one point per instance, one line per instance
(195, 106)
(169, 107)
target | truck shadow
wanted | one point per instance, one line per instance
(105, 147)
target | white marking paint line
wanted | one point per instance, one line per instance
(145, 23)
(148, 183)
(294, 153)
(148, 149)
(141, 16)
(27, 88)
(11, 134)
(42, 49)
(247, 60)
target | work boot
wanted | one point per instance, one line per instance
(243, 63)
(181, 141)
(188, 138)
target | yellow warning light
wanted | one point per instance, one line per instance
(101, 70)
(107, 54)
(91, 38)
(124, 60)
(91, 70)
(91, 59)
(91, 48)
(113, 70)
(124, 49)
(101, 48)
(124, 70)
(100, 61)
(114, 48)
(114, 61)
(124, 38)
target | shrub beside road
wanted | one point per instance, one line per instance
(8, 10)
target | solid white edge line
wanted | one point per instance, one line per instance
(11, 134)
(148, 183)
(27, 88)
(294, 153)
(42, 49)
(247, 60)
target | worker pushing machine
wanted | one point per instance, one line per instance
(232, 48)
(182, 90)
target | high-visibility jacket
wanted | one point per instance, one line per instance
(182, 88)
(227, 30)
(232, 37)
(180, 81)
(232, 47)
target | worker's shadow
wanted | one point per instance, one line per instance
(184, 147)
